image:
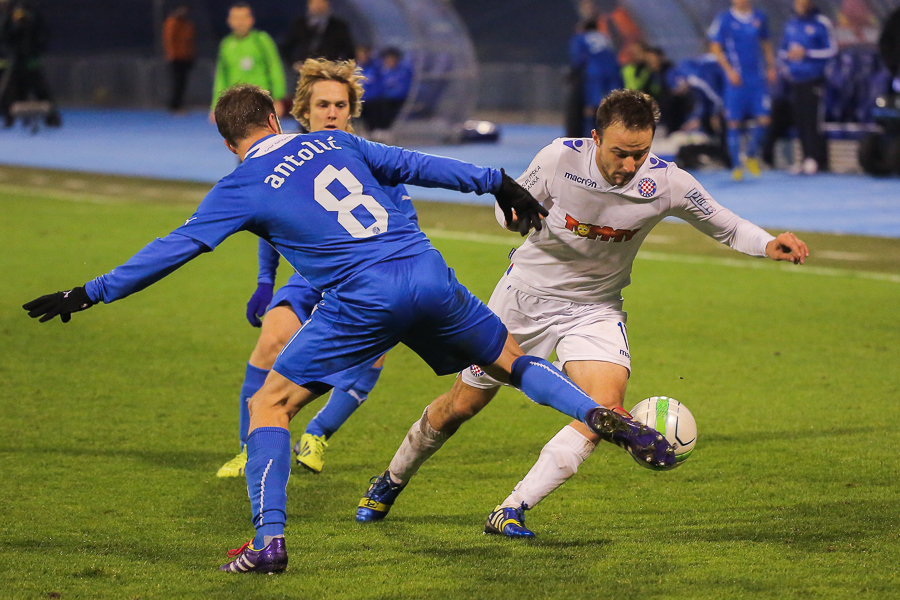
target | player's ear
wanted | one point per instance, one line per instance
(230, 147)
(596, 137)
(274, 123)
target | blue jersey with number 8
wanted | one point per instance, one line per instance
(317, 198)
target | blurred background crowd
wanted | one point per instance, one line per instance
(827, 68)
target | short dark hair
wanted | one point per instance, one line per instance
(633, 109)
(241, 109)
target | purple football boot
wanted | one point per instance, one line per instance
(642, 442)
(271, 559)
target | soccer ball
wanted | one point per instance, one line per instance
(673, 420)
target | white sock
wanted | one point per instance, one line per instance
(559, 460)
(419, 444)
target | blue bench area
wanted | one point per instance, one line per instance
(156, 144)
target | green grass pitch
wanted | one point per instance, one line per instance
(112, 428)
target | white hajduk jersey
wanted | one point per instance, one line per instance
(586, 249)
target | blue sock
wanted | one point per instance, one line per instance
(254, 379)
(546, 385)
(268, 469)
(341, 404)
(734, 146)
(756, 140)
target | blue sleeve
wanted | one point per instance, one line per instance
(400, 197)
(576, 53)
(153, 262)
(392, 166)
(715, 31)
(268, 262)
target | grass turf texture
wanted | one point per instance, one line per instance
(113, 426)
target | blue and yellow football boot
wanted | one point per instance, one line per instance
(379, 498)
(509, 522)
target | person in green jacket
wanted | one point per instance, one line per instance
(247, 55)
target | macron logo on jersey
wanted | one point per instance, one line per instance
(581, 180)
(574, 145)
(656, 163)
(304, 154)
(700, 202)
(605, 233)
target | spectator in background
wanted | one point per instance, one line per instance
(889, 43)
(614, 20)
(702, 80)
(807, 45)
(25, 38)
(394, 82)
(781, 121)
(370, 68)
(593, 57)
(247, 55)
(178, 42)
(317, 34)
(636, 72)
(739, 38)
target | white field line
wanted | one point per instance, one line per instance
(108, 194)
(510, 241)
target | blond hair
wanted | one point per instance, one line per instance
(315, 70)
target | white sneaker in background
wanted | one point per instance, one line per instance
(810, 167)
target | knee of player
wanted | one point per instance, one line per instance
(267, 348)
(468, 401)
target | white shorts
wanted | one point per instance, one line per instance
(540, 326)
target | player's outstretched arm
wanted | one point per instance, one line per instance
(520, 210)
(153, 262)
(61, 304)
(787, 246)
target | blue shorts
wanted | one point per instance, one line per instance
(416, 301)
(749, 101)
(299, 294)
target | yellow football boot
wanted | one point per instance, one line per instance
(753, 167)
(235, 466)
(311, 452)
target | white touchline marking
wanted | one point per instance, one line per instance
(499, 240)
(508, 241)
(837, 255)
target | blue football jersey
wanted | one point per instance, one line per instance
(739, 36)
(269, 257)
(317, 198)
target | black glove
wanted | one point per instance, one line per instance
(513, 197)
(60, 303)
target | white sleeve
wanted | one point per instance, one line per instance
(537, 178)
(693, 204)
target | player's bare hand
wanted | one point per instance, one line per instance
(734, 78)
(787, 246)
